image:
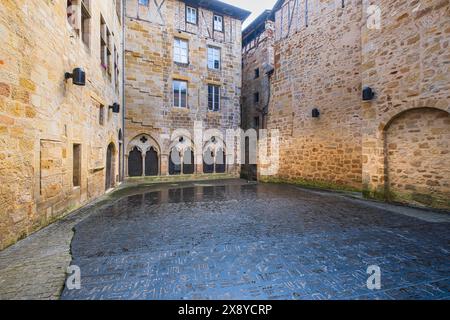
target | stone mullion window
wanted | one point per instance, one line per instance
(119, 9)
(180, 51)
(213, 98)
(214, 58)
(116, 69)
(218, 23)
(191, 15)
(85, 22)
(180, 94)
(105, 50)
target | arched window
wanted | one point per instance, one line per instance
(188, 162)
(221, 161)
(151, 163)
(110, 168)
(208, 161)
(174, 162)
(135, 163)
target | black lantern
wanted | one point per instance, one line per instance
(115, 108)
(368, 94)
(315, 113)
(78, 77)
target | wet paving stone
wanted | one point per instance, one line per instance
(252, 241)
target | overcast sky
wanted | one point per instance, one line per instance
(255, 6)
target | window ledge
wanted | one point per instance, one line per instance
(180, 109)
(181, 64)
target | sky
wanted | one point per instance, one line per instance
(255, 6)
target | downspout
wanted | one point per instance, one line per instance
(265, 111)
(123, 89)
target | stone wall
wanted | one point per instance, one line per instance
(42, 116)
(150, 71)
(418, 157)
(407, 63)
(258, 54)
(317, 65)
(393, 147)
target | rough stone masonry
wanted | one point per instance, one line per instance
(394, 147)
(54, 135)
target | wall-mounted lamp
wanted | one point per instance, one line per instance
(315, 113)
(78, 77)
(115, 108)
(368, 94)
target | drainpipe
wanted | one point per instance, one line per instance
(265, 110)
(123, 89)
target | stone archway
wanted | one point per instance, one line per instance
(182, 156)
(417, 157)
(214, 156)
(149, 157)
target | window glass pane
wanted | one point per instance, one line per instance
(176, 93)
(213, 58)
(218, 23)
(216, 98)
(183, 89)
(180, 51)
(191, 15)
(210, 97)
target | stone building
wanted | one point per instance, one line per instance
(257, 68)
(183, 65)
(393, 145)
(59, 142)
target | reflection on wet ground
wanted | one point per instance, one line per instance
(252, 241)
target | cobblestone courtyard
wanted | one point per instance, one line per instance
(233, 240)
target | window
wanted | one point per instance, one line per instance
(76, 167)
(143, 2)
(101, 115)
(180, 51)
(213, 58)
(180, 94)
(213, 98)
(218, 23)
(256, 123)
(71, 13)
(116, 69)
(119, 9)
(105, 51)
(256, 97)
(85, 22)
(257, 73)
(191, 15)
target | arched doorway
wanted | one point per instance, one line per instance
(120, 137)
(188, 161)
(208, 161)
(417, 144)
(151, 163)
(174, 162)
(110, 168)
(135, 163)
(221, 161)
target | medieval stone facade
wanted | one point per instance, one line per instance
(257, 65)
(59, 142)
(394, 146)
(183, 65)
(257, 68)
